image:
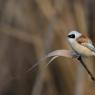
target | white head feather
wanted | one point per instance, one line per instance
(73, 35)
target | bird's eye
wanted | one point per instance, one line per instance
(71, 36)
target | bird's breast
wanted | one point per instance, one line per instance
(82, 50)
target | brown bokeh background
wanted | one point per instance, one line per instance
(29, 29)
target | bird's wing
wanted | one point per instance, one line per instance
(89, 45)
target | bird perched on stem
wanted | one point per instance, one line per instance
(83, 46)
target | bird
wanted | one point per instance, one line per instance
(81, 44)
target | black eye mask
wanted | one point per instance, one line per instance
(71, 36)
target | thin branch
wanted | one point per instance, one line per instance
(65, 53)
(88, 71)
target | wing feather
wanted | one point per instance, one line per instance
(83, 40)
(89, 45)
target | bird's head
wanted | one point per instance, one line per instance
(73, 35)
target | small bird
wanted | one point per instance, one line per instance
(81, 44)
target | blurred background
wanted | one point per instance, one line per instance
(30, 29)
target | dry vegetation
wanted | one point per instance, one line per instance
(29, 29)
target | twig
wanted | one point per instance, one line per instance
(88, 71)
